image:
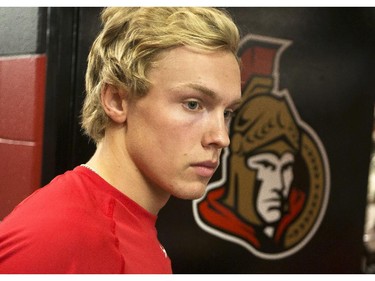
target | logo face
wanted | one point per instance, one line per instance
(274, 186)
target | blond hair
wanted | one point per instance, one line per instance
(129, 45)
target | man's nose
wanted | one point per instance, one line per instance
(276, 180)
(217, 133)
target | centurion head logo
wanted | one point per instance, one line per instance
(274, 185)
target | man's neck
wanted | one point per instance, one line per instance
(115, 166)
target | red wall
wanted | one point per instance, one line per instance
(22, 92)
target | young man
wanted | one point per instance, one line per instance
(161, 86)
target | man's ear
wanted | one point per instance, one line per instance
(114, 102)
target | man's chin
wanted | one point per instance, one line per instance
(193, 193)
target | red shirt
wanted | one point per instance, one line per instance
(79, 223)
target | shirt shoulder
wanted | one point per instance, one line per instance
(61, 228)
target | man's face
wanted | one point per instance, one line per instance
(275, 175)
(175, 134)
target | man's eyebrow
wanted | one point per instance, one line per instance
(212, 94)
(204, 90)
(236, 103)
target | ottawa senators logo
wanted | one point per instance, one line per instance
(274, 186)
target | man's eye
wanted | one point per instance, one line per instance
(267, 165)
(192, 105)
(228, 114)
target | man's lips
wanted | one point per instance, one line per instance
(205, 168)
